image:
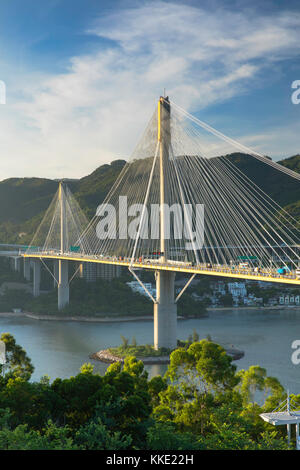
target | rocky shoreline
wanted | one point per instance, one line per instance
(236, 354)
(106, 356)
(108, 318)
(104, 319)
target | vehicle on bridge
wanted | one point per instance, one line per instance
(244, 265)
(283, 270)
(180, 263)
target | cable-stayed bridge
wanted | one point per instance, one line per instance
(178, 205)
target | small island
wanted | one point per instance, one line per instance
(148, 354)
(145, 353)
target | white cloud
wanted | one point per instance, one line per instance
(66, 125)
(274, 142)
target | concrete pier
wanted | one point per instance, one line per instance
(26, 268)
(36, 277)
(63, 284)
(165, 311)
(55, 273)
(16, 263)
(63, 267)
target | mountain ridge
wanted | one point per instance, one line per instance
(26, 199)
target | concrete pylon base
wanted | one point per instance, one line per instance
(55, 273)
(26, 267)
(17, 264)
(36, 277)
(63, 296)
(165, 312)
(165, 326)
(63, 284)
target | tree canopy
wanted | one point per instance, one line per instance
(200, 403)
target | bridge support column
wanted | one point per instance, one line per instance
(26, 268)
(55, 272)
(165, 311)
(36, 277)
(16, 264)
(63, 284)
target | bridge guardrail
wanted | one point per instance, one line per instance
(155, 265)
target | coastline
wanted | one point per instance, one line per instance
(111, 318)
(273, 307)
(104, 319)
(109, 358)
(105, 355)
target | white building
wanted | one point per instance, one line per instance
(237, 289)
(136, 287)
(286, 299)
(219, 287)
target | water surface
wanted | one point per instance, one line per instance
(58, 349)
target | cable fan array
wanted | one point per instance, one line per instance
(214, 213)
(48, 235)
(241, 222)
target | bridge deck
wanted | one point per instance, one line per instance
(264, 275)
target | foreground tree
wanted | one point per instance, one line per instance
(201, 403)
(96, 436)
(197, 374)
(18, 363)
(205, 364)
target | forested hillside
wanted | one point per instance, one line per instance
(24, 200)
(280, 187)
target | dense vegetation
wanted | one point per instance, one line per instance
(134, 349)
(201, 403)
(99, 298)
(280, 187)
(26, 199)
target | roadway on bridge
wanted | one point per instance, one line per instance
(267, 275)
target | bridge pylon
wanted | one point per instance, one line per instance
(165, 308)
(26, 268)
(63, 271)
(165, 311)
(36, 277)
(58, 234)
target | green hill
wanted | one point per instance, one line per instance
(280, 187)
(24, 200)
(91, 190)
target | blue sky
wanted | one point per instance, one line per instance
(83, 77)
